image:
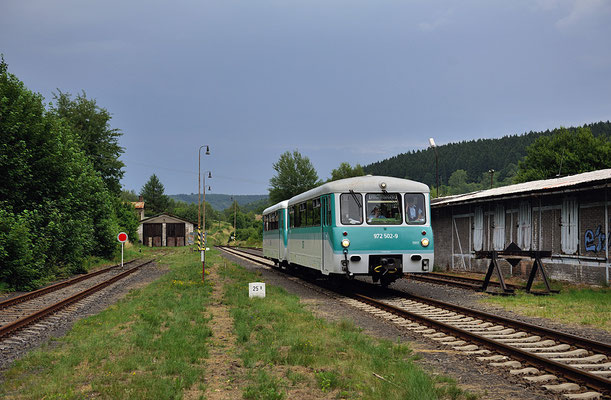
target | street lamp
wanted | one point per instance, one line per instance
(204, 207)
(199, 181)
(432, 143)
(491, 172)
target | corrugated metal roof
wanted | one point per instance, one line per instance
(565, 182)
(138, 204)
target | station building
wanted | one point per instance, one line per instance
(569, 216)
(165, 230)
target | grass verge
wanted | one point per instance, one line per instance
(150, 345)
(285, 348)
(573, 305)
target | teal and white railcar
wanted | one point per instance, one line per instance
(275, 232)
(369, 225)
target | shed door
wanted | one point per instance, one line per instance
(499, 227)
(478, 229)
(152, 234)
(175, 234)
(568, 225)
(524, 225)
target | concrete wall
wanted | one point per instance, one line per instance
(454, 229)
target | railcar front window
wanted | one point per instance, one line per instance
(383, 209)
(351, 208)
(415, 211)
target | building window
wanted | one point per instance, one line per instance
(499, 227)
(524, 225)
(568, 225)
(478, 229)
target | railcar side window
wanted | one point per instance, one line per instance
(292, 216)
(415, 211)
(384, 209)
(316, 215)
(302, 215)
(351, 208)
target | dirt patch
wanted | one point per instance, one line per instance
(224, 375)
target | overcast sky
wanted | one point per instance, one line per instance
(339, 80)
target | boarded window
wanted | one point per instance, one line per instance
(499, 227)
(524, 225)
(478, 229)
(568, 222)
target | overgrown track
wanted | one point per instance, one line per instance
(574, 358)
(19, 312)
(57, 286)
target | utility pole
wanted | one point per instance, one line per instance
(235, 213)
(434, 146)
(199, 229)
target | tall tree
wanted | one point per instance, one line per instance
(294, 174)
(100, 142)
(565, 153)
(346, 171)
(153, 194)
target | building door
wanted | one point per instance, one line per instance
(152, 234)
(175, 234)
(568, 225)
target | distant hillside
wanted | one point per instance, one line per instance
(221, 201)
(474, 156)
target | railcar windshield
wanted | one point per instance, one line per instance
(351, 208)
(383, 209)
(415, 211)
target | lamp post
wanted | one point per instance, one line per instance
(199, 181)
(204, 207)
(491, 172)
(432, 143)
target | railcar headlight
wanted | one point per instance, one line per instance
(424, 242)
(345, 243)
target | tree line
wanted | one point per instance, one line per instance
(59, 185)
(467, 166)
(248, 226)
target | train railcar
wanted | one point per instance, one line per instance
(369, 225)
(275, 232)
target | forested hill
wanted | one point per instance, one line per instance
(221, 201)
(476, 157)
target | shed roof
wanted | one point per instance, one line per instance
(546, 186)
(156, 217)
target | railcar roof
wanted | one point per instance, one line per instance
(275, 207)
(362, 184)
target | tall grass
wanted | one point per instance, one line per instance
(151, 345)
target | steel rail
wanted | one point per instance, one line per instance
(593, 381)
(52, 288)
(568, 338)
(20, 323)
(465, 282)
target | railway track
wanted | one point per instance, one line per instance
(21, 313)
(573, 366)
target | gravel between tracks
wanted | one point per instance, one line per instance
(104, 299)
(472, 375)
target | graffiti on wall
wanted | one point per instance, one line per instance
(596, 240)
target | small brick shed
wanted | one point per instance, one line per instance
(569, 216)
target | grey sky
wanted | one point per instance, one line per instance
(355, 81)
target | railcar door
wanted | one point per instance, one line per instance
(326, 229)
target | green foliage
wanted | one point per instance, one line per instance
(476, 157)
(221, 201)
(346, 171)
(567, 152)
(294, 174)
(153, 194)
(129, 195)
(56, 209)
(91, 124)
